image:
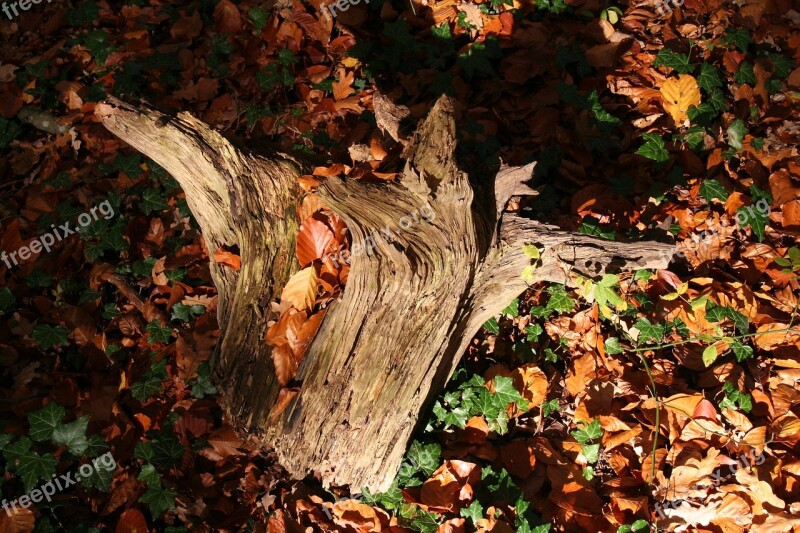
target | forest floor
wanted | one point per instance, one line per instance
(650, 400)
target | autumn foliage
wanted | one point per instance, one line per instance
(612, 404)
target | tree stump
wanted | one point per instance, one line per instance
(411, 304)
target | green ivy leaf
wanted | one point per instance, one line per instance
(73, 435)
(152, 200)
(783, 65)
(739, 37)
(736, 132)
(259, 17)
(673, 60)
(159, 333)
(203, 385)
(505, 393)
(44, 421)
(424, 457)
(8, 132)
(159, 499)
(711, 189)
(28, 464)
(709, 78)
(741, 351)
(653, 148)
(559, 301)
(591, 452)
(613, 346)
(755, 220)
(47, 336)
(100, 479)
(474, 512)
(492, 326)
(589, 432)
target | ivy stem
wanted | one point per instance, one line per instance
(695, 339)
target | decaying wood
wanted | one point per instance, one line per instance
(442, 260)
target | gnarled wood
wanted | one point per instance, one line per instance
(440, 261)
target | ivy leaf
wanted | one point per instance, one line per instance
(73, 435)
(425, 521)
(711, 189)
(612, 346)
(44, 421)
(653, 148)
(739, 37)
(589, 432)
(755, 220)
(100, 478)
(559, 299)
(47, 336)
(158, 333)
(8, 131)
(741, 351)
(492, 326)
(745, 74)
(513, 309)
(259, 17)
(159, 499)
(203, 385)
(505, 393)
(783, 65)
(149, 475)
(709, 78)
(474, 512)
(605, 292)
(648, 331)
(152, 200)
(424, 457)
(673, 60)
(30, 466)
(736, 132)
(591, 452)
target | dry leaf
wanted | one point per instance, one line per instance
(301, 289)
(678, 95)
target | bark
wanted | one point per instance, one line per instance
(443, 258)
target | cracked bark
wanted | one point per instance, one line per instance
(410, 308)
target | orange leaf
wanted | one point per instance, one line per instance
(224, 257)
(705, 409)
(17, 521)
(342, 87)
(313, 241)
(301, 289)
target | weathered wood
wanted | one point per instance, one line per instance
(448, 261)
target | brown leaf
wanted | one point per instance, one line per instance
(17, 520)
(227, 17)
(132, 521)
(313, 241)
(230, 259)
(188, 26)
(285, 362)
(224, 443)
(301, 289)
(343, 86)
